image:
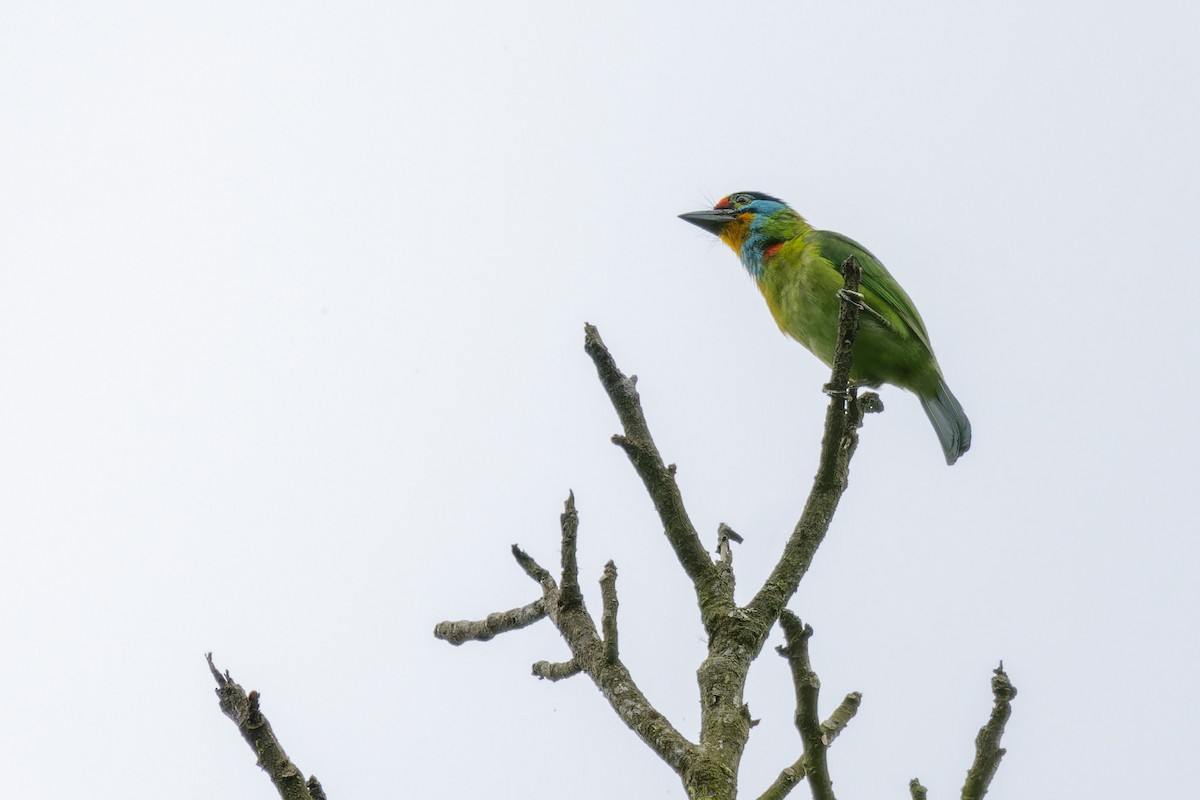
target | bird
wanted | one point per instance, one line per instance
(798, 270)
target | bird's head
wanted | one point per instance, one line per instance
(750, 223)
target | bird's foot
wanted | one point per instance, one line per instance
(851, 297)
(856, 298)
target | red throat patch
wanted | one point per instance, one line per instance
(772, 250)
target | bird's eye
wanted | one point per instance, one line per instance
(741, 200)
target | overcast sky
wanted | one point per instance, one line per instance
(291, 309)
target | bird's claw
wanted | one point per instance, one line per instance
(856, 299)
(851, 297)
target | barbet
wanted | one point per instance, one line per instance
(798, 271)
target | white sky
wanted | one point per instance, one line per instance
(291, 307)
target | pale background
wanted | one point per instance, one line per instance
(291, 307)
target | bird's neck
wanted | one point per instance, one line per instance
(763, 238)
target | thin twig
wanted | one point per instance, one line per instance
(988, 751)
(245, 712)
(570, 593)
(840, 718)
(808, 688)
(578, 630)
(830, 728)
(608, 617)
(535, 570)
(787, 780)
(658, 478)
(485, 629)
(598, 658)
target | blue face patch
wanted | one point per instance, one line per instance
(757, 240)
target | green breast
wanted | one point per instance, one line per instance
(800, 284)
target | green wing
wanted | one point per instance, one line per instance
(880, 289)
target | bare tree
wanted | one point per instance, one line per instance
(708, 767)
(737, 634)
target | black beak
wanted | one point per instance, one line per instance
(712, 221)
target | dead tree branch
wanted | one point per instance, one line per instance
(659, 480)
(608, 619)
(501, 622)
(988, 751)
(815, 736)
(786, 781)
(244, 710)
(597, 657)
(830, 728)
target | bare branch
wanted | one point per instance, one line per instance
(535, 570)
(589, 653)
(658, 478)
(840, 718)
(570, 594)
(500, 622)
(244, 710)
(557, 671)
(988, 751)
(830, 729)
(808, 688)
(786, 781)
(841, 438)
(608, 618)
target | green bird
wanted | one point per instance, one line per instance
(798, 271)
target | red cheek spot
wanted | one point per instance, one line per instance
(772, 250)
(722, 203)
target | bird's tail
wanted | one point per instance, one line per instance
(952, 426)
